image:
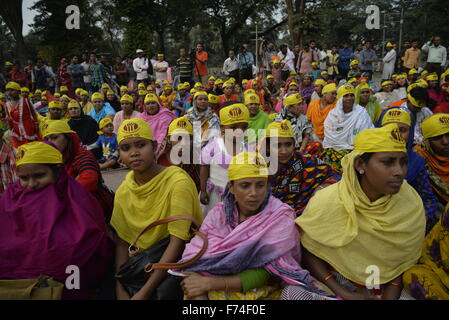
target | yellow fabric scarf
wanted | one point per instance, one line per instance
(172, 192)
(343, 227)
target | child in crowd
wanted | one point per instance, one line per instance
(107, 141)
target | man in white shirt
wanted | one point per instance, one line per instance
(231, 66)
(161, 67)
(389, 62)
(86, 77)
(436, 55)
(323, 57)
(287, 61)
(141, 66)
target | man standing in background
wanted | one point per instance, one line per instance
(267, 52)
(412, 57)
(185, 67)
(436, 55)
(231, 66)
(246, 62)
(346, 55)
(201, 58)
(287, 61)
(389, 62)
(367, 57)
(142, 66)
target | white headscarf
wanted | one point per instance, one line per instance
(340, 128)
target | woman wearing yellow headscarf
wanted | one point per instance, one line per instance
(151, 192)
(435, 149)
(218, 152)
(361, 234)
(429, 279)
(253, 247)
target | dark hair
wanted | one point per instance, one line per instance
(55, 168)
(283, 46)
(414, 40)
(420, 94)
(366, 156)
(312, 41)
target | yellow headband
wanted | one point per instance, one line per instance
(390, 45)
(235, 113)
(345, 90)
(320, 82)
(142, 86)
(63, 88)
(198, 85)
(213, 98)
(435, 125)
(396, 115)
(180, 126)
(247, 165)
(24, 89)
(104, 122)
(78, 91)
(37, 152)
(272, 116)
(281, 129)
(268, 77)
(84, 93)
(292, 99)
(331, 87)
(412, 71)
(432, 77)
(151, 97)
(228, 84)
(73, 104)
(219, 81)
(55, 105)
(200, 93)
(353, 63)
(104, 86)
(252, 98)
(249, 91)
(386, 83)
(109, 92)
(134, 128)
(127, 97)
(97, 95)
(181, 86)
(56, 127)
(385, 139)
(415, 102)
(124, 88)
(363, 86)
(352, 80)
(211, 78)
(13, 86)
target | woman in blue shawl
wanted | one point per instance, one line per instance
(417, 175)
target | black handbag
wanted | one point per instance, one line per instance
(134, 273)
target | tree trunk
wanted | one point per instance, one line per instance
(224, 40)
(11, 13)
(295, 9)
(161, 41)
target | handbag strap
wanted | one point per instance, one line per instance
(167, 265)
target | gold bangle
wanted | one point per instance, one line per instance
(226, 285)
(330, 276)
(396, 284)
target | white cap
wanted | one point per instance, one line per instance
(139, 51)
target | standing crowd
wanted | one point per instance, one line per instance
(295, 177)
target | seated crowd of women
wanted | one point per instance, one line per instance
(300, 210)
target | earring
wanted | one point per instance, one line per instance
(361, 172)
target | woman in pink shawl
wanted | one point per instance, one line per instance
(158, 118)
(253, 247)
(48, 222)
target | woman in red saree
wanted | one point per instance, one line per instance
(21, 117)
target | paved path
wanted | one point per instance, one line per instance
(113, 178)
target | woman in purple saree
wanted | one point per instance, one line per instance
(49, 222)
(253, 245)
